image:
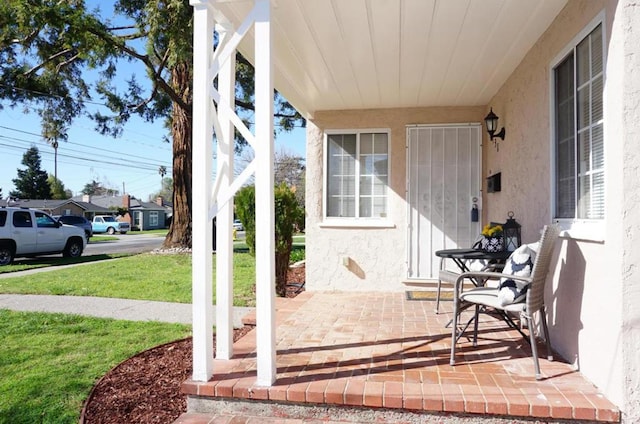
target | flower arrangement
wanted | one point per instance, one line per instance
(490, 230)
(492, 240)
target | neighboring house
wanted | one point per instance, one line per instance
(149, 215)
(395, 94)
(141, 215)
(59, 207)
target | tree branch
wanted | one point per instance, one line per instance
(67, 62)
(49, 59)
(147, 62)
(251, 106)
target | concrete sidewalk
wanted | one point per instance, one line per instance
(103, 307)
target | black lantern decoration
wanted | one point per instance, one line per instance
(512, 234)
(491, 121)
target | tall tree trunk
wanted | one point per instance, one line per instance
(180, 231)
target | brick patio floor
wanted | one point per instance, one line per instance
(381, 351)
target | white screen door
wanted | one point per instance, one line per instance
(443, 179)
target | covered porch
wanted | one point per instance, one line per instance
(378, 357)
(364, 69)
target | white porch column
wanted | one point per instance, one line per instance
(265, 242)
(224, 220)
(201, 189)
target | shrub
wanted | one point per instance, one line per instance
(288, 216)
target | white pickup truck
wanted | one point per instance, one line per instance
(29, 232)
(109, 224)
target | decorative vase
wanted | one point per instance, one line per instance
(492, 244)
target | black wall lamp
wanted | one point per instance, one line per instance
(491, 121)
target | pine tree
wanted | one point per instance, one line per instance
(32, 182)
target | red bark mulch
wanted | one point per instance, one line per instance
(146, 388)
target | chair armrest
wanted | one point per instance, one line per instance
(484, 275)
(491, 275)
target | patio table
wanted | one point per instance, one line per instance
(462, 256)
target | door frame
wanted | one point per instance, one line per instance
(477, 125)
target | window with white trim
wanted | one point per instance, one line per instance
(153, 218)
(579, 138)
(357, 175)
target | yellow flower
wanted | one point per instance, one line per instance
(492, 230)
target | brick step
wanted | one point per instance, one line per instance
(195, 418)
(221, 411)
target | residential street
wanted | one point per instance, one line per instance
(126, 243)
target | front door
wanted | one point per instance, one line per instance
(444, 167)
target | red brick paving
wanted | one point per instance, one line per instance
(379, 350)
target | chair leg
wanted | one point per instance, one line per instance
(454, 328)
(545, 329)
(438, 296)
(476, 318)
(534, 348)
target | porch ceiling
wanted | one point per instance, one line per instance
(354, 54)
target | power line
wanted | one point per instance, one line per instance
(77, 125)
(67, 142)
(148, 166)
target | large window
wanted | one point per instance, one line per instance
(579, 140)
(153, 218)
(357, 174)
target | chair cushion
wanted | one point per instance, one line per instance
(519, 263)
(488, 296)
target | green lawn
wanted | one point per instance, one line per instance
(147, 277)
(53, 261)
(50, 362)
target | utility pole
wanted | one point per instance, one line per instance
(54, 144)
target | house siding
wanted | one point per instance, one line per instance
(590, 301)
(377, 256)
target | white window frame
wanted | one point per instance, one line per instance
(153, 218)
(360, 222)
(576, 228)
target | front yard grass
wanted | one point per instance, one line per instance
(24, 264)
(50, 362)
(164, 278)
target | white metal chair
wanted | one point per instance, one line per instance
(487, 297)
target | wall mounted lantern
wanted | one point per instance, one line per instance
(491, 121)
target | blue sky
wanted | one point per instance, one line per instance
(129, 163)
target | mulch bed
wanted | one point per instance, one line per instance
(146, 387)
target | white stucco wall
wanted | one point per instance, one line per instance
(625, 104)
(593, 294)
(377, 256)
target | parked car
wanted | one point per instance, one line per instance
(28, 232)
(78, 221)
(238, 225)
(109, 224)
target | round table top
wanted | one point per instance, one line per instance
(472, 254)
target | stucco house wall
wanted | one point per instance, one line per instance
(377, 257)
(590, 300)
(593, 293)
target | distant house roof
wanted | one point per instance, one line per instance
(49, 204)
(33, 203)
(112, 202)
(137, 204)
(108, 202)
